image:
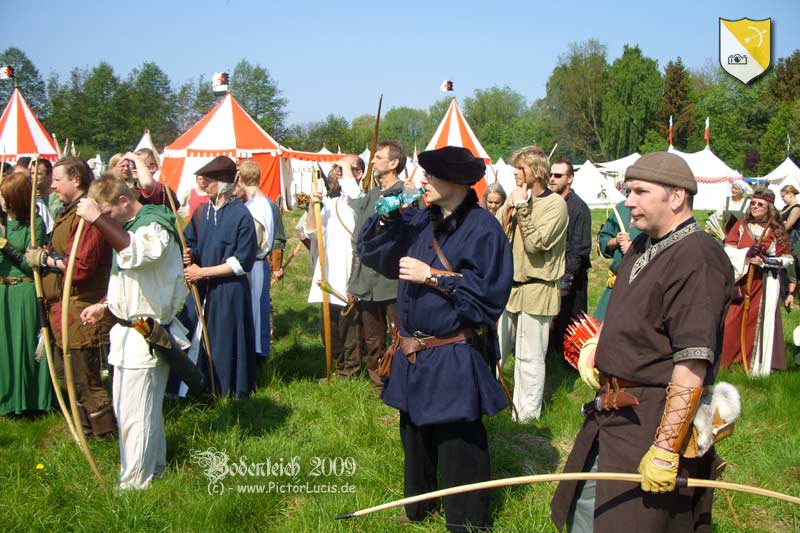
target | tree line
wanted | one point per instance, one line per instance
(592, 108)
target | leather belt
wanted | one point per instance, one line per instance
(419, 342)
(13, 281)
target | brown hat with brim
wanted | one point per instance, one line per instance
(454, 164)
(221, 168)
(664, 168)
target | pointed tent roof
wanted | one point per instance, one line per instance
(454, 130)
(21, 133)
(713, 177)
(706, 166)
(620, 165)
(146, 142)
(787, 169)
(787, 173)
(594, 188)
(225, 130)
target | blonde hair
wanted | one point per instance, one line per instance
(790, 188)
(535, 158)
(249, 173)
(108, 188)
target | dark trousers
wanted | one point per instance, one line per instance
(94, 402)
(573, 303)
(374, 317)
(460, 452)
(346, 349)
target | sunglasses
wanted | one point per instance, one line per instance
(759, 204)
(557, 175)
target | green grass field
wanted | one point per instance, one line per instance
(299, 440)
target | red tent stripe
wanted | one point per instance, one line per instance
(249, 135)
(183, 142)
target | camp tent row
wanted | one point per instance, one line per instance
(228, 130)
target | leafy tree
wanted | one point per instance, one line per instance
(193, 100)
(152, 105)
(676, 102)
(785, 86)
(631, 102)
(654, 141)
(259, 94)
(362, 128)
(499, 117)
(575, 92)
(436, 113)
(773, 142)
(27, 78)
(334, 132)
(409, 126)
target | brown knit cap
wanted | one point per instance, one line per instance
(664, 168)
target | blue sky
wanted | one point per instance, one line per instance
(337, 57)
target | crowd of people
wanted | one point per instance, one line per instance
(430, 295)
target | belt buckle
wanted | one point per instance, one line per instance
(420, 336)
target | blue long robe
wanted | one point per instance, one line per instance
(453, 382)
(213, 238)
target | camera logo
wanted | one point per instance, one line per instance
(737, 59)
(744, 47)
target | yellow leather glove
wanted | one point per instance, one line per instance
(35, 257)
(655, 476)
(589, 375)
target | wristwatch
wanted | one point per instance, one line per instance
(432, 281)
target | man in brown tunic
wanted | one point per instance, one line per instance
(88, 342)
(660, 344)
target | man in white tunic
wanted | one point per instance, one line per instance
(261, 275)
(146, 282)
(338, 222)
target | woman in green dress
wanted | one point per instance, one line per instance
(24, 382)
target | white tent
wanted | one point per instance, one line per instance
(619, 166)
(787, 173)
(713, 177)
(505, 175)
(594, 188)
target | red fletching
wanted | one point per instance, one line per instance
(582, 328)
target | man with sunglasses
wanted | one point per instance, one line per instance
(575, 283)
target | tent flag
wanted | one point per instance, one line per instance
(706, 135)
(670, 130)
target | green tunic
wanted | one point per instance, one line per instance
(608, 232)
(24, 383)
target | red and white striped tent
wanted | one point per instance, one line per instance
(225, 130)
(21, 133)
(454, 130)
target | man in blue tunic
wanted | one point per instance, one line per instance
(221, 248)
(455, 270)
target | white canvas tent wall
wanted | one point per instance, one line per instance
(594, 188)
(713, 177)
(505, 176)
(619, 166)
(787, 173)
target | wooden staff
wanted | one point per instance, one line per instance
(746, 305)
(576, 476)
(58, 148)
(619, 219)
(552, 151)
(367, 182)
(326, 311)
(68, 373)
(192, 287)
(44, 330)
(288, 261)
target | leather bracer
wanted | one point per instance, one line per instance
(13, 255)
(676, 422)
(276, 259)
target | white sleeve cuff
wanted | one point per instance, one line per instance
(235, 265)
